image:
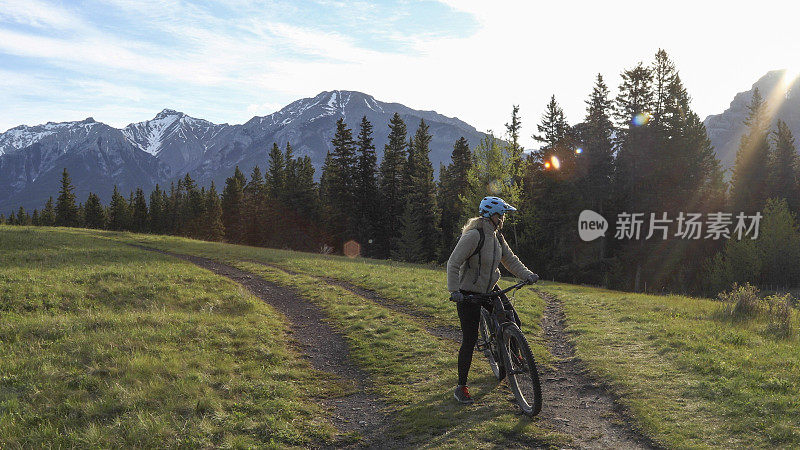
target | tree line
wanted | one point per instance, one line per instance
(645, 150)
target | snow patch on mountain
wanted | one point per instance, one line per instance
(150, 134)
(24, 136)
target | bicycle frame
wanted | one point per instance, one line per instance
(499, 315)
(508, 350)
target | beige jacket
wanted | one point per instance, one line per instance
(462, 271)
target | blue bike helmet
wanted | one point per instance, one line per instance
(491, 205)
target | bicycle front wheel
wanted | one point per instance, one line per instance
(523, 378)
(488, 343)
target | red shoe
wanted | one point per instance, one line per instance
(462, 395)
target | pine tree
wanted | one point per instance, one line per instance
(232, 204)
(66, 210)
(410, 246)
(422, 194)
(2, 219)
(635, 159)
(22, 217)
(306, 190)
(409, 166)
(12, 220)
(452, 187)
(35, 221)
(390, 187)
(664, 73)
(81, 221)
(597, 152)
(751, 169)
(276, 173)
(514, 148)
(289, 194)
(140, 219)
(94, 214)
(784, 168)
(254, 205)
(553, 127)
(192, 209)
(214, 229)
(157, 211)
(119, 212)
(48, 218)
(367, 213)
(340, 185)
(550, 201)
(173, 203)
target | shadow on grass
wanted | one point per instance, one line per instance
(438, 420)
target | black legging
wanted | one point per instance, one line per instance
(470, 315)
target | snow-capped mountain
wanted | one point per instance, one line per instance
(173, 144)
(24, 136)
(96, 155)
(178, 140)
(782, 100)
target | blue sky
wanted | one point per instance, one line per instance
(121, 61)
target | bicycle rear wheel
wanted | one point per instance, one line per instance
(486, 344)
(523, 378)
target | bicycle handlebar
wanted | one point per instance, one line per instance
(474, 297)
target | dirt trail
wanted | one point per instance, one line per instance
(441, 331)
(327, 350)
(574, 403)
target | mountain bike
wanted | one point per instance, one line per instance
(507, 350)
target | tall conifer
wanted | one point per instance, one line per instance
(119, 212)
(66, 210)
(94, 214)
(367, 214)
(232, 204)
(48, 218)
(390, 187)
(749, 188)
(784, 168)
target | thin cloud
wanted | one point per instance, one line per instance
(39, 14)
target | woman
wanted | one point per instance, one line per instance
(474, 269)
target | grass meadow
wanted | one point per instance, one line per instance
(105, 344)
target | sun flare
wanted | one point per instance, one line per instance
(789, 77)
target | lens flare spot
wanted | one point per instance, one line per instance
(351, 249)
(578, 151)
(641, 119)
(495, 186)
(789, 78)
(556, 163)
(547, 165)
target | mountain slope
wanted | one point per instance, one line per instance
(96, 155)
(783, 102)
(309, 124)
(172, 144)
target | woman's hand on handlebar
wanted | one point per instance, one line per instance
(533, 278)
(456, 296)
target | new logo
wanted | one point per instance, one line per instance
(591, 225)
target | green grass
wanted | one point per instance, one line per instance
(422, 288)
(101, 336)
(104, 345)
(689, 376)
(412, 369)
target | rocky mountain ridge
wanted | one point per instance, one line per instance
(172, 144)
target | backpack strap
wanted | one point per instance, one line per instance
(481, 239)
